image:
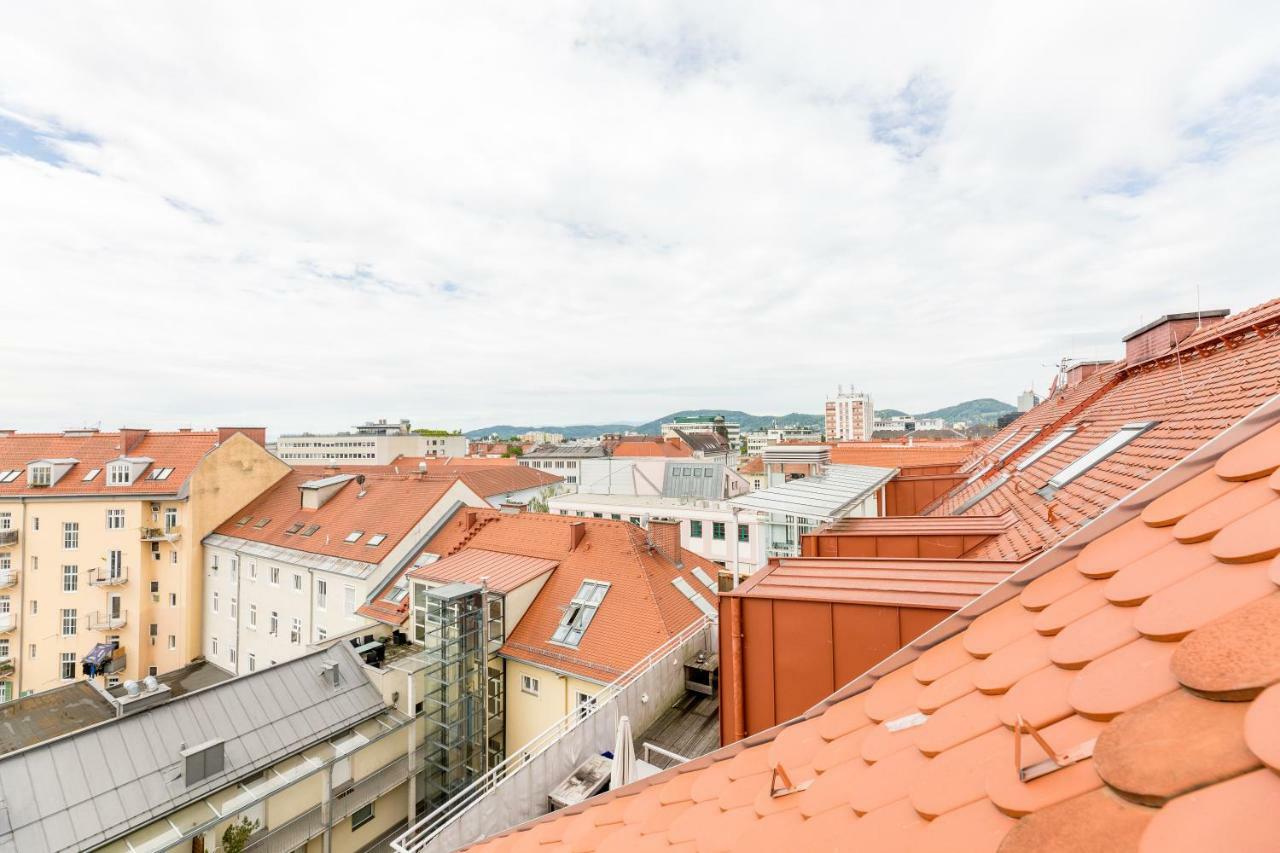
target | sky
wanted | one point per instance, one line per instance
(303, 216)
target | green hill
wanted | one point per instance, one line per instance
(971, 411)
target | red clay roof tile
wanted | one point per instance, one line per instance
(1096, 822)
(1236, 815)
(1123, 679)
(1262, 727)
(1236, 656)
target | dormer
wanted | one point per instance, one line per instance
(43, 473)
(313, 494)
(126, 470)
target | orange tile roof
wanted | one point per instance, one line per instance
(1144, 647)
(652, 448)
(901, 455)
(391, 505)
(753, 465)
(180, 450)
(482, 476)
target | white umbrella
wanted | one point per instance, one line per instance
(624, 757)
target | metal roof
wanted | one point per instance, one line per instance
(292, 556)
(829, 496)
(85, 789)
(327, 481)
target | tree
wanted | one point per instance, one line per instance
(513, 450)
(237, 835)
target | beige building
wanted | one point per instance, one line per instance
(100, 547)
(373, 443)
(850, 416)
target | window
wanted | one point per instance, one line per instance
(293, 528)
(35, 606)
(235, 608)
(376, 539)
(70, 578)
(321, 635)
(173, 642)
(68, 666)
(253, 617)
(69, 622)
(170, 516)
(1046, 448)
(273, 624)
(311, 530)
(35, 523)
(717, 530)
(213, 645)
(297, 582)
(173, 599)
(213, 566)
(634, 519)
(698, 601)
(275, 575)
(159, 473)
(744, 533)
(705, 578)
(6, 521)
(982, 493)
(10, 475)
(40, 475)
(231, 654)
(295, 632)
(70, 535)
(354, 536)
(580, 612)
(93, 472)
(598, 514)
(115, 519)
(31, 651)
(322, 594)
(529, 684)
(214, 601)
(151, 670)
(1108, 446)
(1015, 448)
(115, 563)
(695, 529)
(583, 704)
(119, 474)
(253, 572)
(253, 662)
(361, 816)
(349, 600)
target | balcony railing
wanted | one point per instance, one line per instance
(102, 620)
(8, 538)
(8, 621)
(161, 534)
(105, 576)
(8, 577)
(6, 666)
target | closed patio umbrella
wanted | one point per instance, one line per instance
(624, 757)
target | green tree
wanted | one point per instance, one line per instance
(237, 835)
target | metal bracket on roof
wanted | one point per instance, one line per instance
(1055, 761)
(910, 721)
(788, 787)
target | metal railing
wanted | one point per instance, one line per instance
(105, 576)
(416, 837)
(102, 620)
(289, 835)
(8, 537)
(8, 577)
(650, 749)
(161, 534)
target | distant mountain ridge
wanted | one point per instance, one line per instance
(985, 409)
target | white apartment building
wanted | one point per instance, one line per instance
(695, 424)
(908, 423)
(293, 567)
(373, 443)
(758, 440)
(850, 416)
(562, 460)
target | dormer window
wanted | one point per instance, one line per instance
(119, 474)
(39, 475)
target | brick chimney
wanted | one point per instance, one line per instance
(1165, 333)
(258, 435)
(577, 530)
(510, 507)
(130, 438)
(664, 536)
(1083, 371)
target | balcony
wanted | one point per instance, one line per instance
(8, 578)
(6, 667)
(104, 576)
(8, 621)
(8, 538)
(161, 534)
(102, 620)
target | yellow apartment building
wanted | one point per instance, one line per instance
(100, 547)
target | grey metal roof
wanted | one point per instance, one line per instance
(327, 481)
(828, 497)
(694, 478)
(292, 556)
(85, 789)
(566, 451)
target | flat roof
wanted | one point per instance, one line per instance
(828, 496)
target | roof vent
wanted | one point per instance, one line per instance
(151, 684)
(131, 687)
(330, 674)
(203, 761)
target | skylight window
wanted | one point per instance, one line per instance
(9, 476)
(294, 528)
(242, 522)
(93, 472)
(354, 536)
(399, 591)
(1019, 445)
(698, 601)
(705, 578)
(310, 531)
(262, 522)
(1110, 445)
(982, 493)
(376, 539)
(159, 473)
(580, 612)
(1049, 445)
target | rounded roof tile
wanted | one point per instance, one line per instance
(677, 788)
(1172, 745)
(710, 782)
(664, 816)
(1014, 797)
(891, 693)
(1254, 537)
(1116, 549)
(882, 743)
(749, 761)
(1070, 607)
(1236, 656)
(721, 833)
(886, 781)
(1216, 591)
(1138, 581)
(1173, 506)
(795, 746)
(890, 829)
(1040, 698)
(1102, 631)
(1206, 521)
(774, 832)
(980, 824)
(1123, 679)
(957, 722)
(690, 822)
(642, 806)
(949, 688)
(1220, 817)
(843, 717)
(1020, 658)
(958, 776)
(1257, 457)
(997, 628)
(831, 789)
(1262, 727)
(742, 792)
(1095, 822)
(842, 749)
(1052, 585)
(941, 659)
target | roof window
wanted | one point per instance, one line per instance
(159, 473)
(10, 475)
(1108, 446)
(310, 531)
(705, 578)
(294, 528)
(242, 522)
(262, 522)
(697, 600)
(93, 472)
(354, 536)
(1019, 445)
(578, 615)
(400, 590)
(982, 493)
(1049, 446)
(203, 761)
(376, 540)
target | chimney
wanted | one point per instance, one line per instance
(258, 435)
(664, 537)
(510, 507)
(469, 519)
(1082, 371)
(130, 438)
(1164, 334)
(577, 530)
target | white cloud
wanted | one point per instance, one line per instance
(305, 215)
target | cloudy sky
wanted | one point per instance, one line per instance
(574, 212)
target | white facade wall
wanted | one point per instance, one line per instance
(569, 469)
(365, 448)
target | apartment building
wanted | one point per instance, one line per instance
(731, 431)
(100, 547)
(758, 440)
(292, 567)
(371, 443)
(850, 416)
(563, 460)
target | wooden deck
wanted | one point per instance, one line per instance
(690, 728)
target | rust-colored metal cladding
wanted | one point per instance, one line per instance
(1052, 585)
(894, 828)
(997, 628)
(1089, 638)
(1015, 797)
(1254, 537)
(949, 688)
(1216, 591)
(895, 691)
(1170, 508)
(1123, 679)
(1262, 727)
(1103, 557)
(957, 722)
(1237, 815)
(1172, 745)
(1015, 661)
(1257, 457)
(1040, 698)
(1096, 822)
(959, 776)
(844, 717)
(1138, 581)
(1233, 657)
(937, 661)
(980, 824)
(1071, 607)
(1205, 522)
